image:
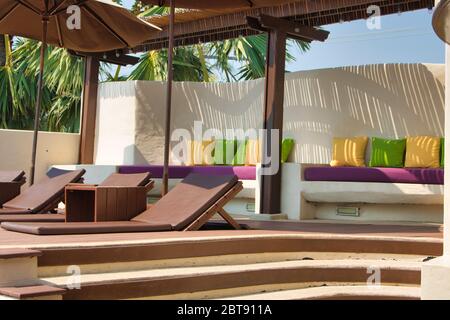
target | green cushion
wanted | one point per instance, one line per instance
(388, 153)
(224, 152)
(442, 152)
(239, 157)
(286, 149)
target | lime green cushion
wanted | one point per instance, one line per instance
(388, 153)
(442, 152)
(224, 152)
(239, 157)
(286, 149)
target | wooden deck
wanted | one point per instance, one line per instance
(259, 229)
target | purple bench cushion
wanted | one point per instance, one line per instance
(180, 172)
(390, 175)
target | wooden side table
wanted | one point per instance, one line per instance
(91, 203)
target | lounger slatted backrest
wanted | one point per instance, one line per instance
(41, 194)
(127, 180)
(11, 176)
(188, 200)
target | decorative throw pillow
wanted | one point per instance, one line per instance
(387, 153)
(239, 157)
(442, 152)
(224, 152)
(200, 152)
(349, 152)
(422, 152)
(286, 149)
(252, 153)
(208, 147)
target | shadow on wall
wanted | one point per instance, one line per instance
(133, 156)
(217, 105)
(393, 100)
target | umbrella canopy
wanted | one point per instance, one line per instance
(79, 25)
(441, 20)
(104, 25)
(218, 4)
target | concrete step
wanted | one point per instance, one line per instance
(18, 266)
(338, 293)
(197, 251)
(32, 292)
(221, 281)
(225, 260)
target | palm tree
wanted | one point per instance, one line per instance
(63, 83)
(248, 52)
(2, 50)
(237, 59)
(188, 63)
(17, 93)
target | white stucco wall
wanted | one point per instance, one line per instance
(392, 100)
(115, 126)
(53, 149)
(435, 275)
(447, 157)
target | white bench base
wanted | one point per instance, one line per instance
(375, 193)
(303, 200)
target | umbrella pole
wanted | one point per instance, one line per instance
(168, 99)
(37, 115)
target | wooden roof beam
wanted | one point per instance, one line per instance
(293, 29)
(113, 57)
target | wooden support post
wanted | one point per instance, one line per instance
(278, 30)
(273, 118)
(89, 110)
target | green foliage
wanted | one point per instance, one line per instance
(63, 82)
(186, 63)
(237, 59)
(249, 53)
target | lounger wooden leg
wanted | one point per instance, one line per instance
(197, 224)
(218, 208)
(229, 219)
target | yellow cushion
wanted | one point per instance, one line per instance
(349, 152)
(200, 152)
(422, 152)
(252, 153)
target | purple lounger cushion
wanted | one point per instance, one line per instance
(181, 172)
(389, 175)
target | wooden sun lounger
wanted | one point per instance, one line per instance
(186, 207)
(12, 176)
(10, 184)
(41, 197)
(115, 184)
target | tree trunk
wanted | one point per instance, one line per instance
(2, 50)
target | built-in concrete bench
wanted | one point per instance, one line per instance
(387, 194)
(367, 174)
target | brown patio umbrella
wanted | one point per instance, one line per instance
(89, 26)
(441, 20)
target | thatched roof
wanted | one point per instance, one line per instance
(194, 26)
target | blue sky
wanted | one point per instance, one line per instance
(403, 38)
(407, 38)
